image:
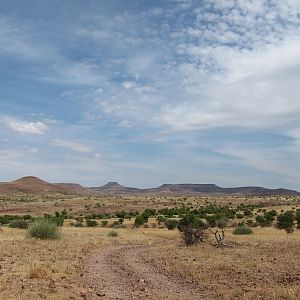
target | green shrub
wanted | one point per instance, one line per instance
(265, 220)
(91, 223)
(5, 220)
(285, 220)
(242, 229)
(58, 219)
(160, 219)
(171, 224)
(297, 218)
(139, 220)
(112, 233)
(18, 223)
(192, 229)
(43, 228)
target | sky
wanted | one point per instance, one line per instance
(146, 92)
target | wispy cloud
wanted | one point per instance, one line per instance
(25, 127)
(74, 146)
(153, 85)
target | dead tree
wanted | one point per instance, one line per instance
(219, 237)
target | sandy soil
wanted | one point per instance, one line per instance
(123, 272)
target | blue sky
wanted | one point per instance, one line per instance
(148, 92)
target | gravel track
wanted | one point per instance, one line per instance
(124, 272)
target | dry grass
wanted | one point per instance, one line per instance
(35, 269)
(37, 205)
(264, 265)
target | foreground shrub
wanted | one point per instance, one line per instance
(242, 229)
(112, 233)
(19, 223)
(192, 229)
(43, 229)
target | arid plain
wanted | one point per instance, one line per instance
(147, 261)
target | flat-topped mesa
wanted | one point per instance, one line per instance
(200, 188)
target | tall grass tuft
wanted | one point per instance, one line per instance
(43, 229)
(242, 229)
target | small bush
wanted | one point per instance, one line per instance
(19, 223)
(192, 229)
(112, 233)
(43, 229)
(285, 220)
(91, 223)
(171, 224)
(289, 229)
(160, 219)
(58, 219)
(242, 229)
(139, 220)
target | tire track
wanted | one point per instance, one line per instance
(123, 272)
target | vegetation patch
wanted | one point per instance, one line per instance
(242, 230)
(43, 229)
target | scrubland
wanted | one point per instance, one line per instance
(148, 261)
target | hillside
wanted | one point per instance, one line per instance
(214, 189)
(36, 186)
(181, 189)
(31, 185)
(74, 188)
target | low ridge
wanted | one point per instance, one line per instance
(35, 185)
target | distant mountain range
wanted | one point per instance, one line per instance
(36, 186)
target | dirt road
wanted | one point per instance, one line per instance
(125, 272)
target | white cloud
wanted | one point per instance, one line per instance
(74, 146)
(24, 126)
(255, 89)
(131, 85)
